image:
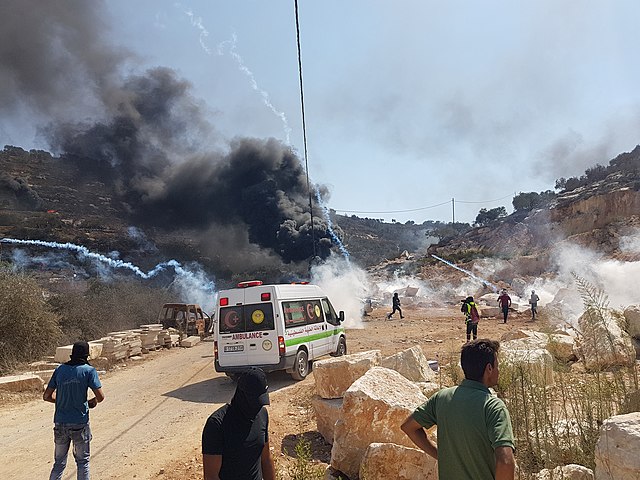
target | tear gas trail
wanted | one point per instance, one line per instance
(230, 46)
(204, 33)
(254, 84)
(145, 134)
(180, 271)
(467, 272)
(334, 236)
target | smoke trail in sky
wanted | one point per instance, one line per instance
(336, 239)
(493, 287)
(204, 33)
(184, 276)
(230, 46)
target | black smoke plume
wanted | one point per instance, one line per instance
(247, 197)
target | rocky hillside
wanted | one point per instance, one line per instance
(44, 198)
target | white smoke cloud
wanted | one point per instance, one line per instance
(631, 243)
(194, 286)
(346, 285)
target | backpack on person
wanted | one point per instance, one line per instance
(470, 310)
(473, 313)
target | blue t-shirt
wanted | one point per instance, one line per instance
(71, 383)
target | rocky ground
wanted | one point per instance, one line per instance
(439, 331)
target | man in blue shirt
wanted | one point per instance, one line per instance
(68, 390)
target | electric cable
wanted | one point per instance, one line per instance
(304, 129)
(420, 208)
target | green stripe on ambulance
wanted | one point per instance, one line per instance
(310, 338)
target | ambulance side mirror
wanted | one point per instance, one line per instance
(341, 316)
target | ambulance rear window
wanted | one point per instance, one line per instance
(246, 318)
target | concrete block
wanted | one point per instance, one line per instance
(63, 354)
(190, 341)
(21, 383)
(45, 375)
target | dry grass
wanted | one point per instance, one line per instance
(560, 424)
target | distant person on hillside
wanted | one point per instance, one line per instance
(533, 301)
(396, 306)
(474, 437)
(504, 301)
(472, 317)
(235, 439)
(68, 390)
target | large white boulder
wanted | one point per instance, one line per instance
(566, 472)
(63, 354)
(328, 412)
(491, 311)
(373, 409)
(334, 375)
(428, 388)
(618, 448)
(411, 364)
(632, 316)
(602, 344)
(561, 346)
(388, 461)
(529, 354)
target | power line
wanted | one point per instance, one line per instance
(304, 129)
(393, 211)
(420, 208)
(486, 201)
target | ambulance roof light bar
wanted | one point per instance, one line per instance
(250, 283)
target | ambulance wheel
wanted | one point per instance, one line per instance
(233, 376)
(342, 348)
(301, 366)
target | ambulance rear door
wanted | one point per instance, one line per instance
(246, 328)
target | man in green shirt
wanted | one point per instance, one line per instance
(474, 436)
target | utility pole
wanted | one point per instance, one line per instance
(453, 209)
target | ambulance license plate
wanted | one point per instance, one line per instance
(234, 348)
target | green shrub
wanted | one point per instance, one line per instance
(30, 329)
(303, 468)
(108, 307)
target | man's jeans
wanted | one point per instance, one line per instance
(63, 435)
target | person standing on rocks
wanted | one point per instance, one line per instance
(68, 390)
(396, 306)
(504, 301)
(533, 301)
(235, 439)
(474, 436)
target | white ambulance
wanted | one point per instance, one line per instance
(275, 327)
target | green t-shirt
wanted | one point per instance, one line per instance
(472, 423)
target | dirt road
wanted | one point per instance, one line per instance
(153, 414)
(150, 424)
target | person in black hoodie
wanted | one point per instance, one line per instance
(68, 390)
(235, 438)
(396, 306)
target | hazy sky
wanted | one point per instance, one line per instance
(408, 103)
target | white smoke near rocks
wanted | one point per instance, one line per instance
(346, 285)
(631, 243)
